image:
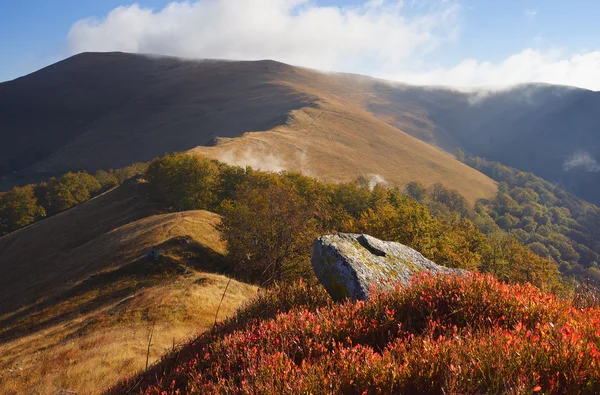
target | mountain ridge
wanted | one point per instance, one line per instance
(167, 104)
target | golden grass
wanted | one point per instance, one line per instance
(111, 231)
(339, 137)
(82, 297)
(90, 353)
(339, 143)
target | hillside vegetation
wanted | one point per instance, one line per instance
(269, 221)
(60, 322)
(440, 335)
(551, 222)
(23, 205)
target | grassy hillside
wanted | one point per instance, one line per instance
(99, 111)
(78, 312)
(79, 297)
(338, 142)
(103, 110)
(109, 110)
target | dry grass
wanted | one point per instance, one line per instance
(340, 137)
(79, 296)
(92, 352)
(104, 234)
(337, 143)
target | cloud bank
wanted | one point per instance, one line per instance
(385, 38)
(529, 65)
(293, 31)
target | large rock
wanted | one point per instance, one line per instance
(348, 265)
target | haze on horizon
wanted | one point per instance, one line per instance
(461, 43)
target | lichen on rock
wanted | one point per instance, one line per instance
(349, 265)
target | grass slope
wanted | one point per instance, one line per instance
(145, 106)
(337, 141)
(79, 298)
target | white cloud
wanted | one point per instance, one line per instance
(385, 38)
(529, 65)
(531, 13)
(582, 160)
(382, 32)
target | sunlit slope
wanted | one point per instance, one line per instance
(103, 110)
(339, 142)
(79, 296)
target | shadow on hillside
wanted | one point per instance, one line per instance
(177, 256)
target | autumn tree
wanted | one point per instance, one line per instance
(66, 191)
(184, 182)
(417, 190)
(269, 232)
(405, 221)
(126, 172)
(107, 179)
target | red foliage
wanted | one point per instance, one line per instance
(440, 335)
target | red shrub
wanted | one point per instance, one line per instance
(440, 335)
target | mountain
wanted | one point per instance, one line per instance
(549, 130)
(79, 298)
(106, 110)
(103, 110)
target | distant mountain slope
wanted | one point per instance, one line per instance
(96, 111)
(106, 110)
(336, 142)
(552, 131)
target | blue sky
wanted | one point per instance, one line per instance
(462, 42)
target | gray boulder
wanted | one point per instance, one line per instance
(348, 265)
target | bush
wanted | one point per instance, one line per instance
(440, 335)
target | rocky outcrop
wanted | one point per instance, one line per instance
(349, 265)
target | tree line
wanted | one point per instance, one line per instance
(270, 220)
(23, 205)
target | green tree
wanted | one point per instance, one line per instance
(68, 190)
(417, 190)
(107, 179)
(18, 208)
(184, 182)
(127, 172)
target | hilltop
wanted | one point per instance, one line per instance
(107, 110)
